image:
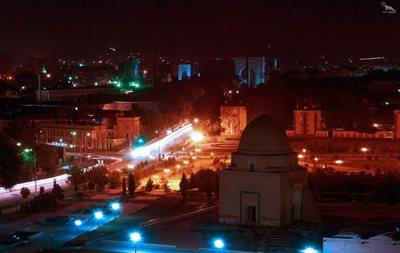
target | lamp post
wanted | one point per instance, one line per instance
(34, 169)
(364, 150)
(135, 238)
(86, 135)
(73, 134)
(77, 223)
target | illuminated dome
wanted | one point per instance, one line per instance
(264, 135)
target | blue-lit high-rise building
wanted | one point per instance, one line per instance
(250, 70)
(132, 68)
(184, 71)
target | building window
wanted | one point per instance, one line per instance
(251, 165)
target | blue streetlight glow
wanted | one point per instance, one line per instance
(115, 206)
(218, 243)
(98, 215)
(309, 250)
(135, 237)
(78, 223)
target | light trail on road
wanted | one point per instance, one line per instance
(153, 147)
(46, 183)
(158, 145)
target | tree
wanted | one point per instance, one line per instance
(99, 177)
(124, 187)
(25, 192)
(132, 185)
(57, 191)
(183, 186)
(207, 182)
(193, 181)
(46, 158)
(149, 185)
(113, 178)
(11, 167)
(41, 190)
(164, 183)
(166, 187)
(76, 177)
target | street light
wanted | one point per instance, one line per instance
(197, 136)
(309, 250)
(364, 150)
(135, 238)
(115, 206)
(77, 223)
(98, 215)
(219, 244)
(29, 150)
(86, 135)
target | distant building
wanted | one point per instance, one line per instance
(396, 130)
(307, 122)
(350, 242)
(105, 134)
(59, 95)
(132, 68)
(233, 119)
(132, 106)
(264, 184)
(250, 70)
(184, 71)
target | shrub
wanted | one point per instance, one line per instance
(25, 192)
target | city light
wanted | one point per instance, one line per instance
(98, 215)
(364, 150)
(115, 206)
(218, 243)
(339, 162)
(309, 250)
(135, 237)
(197, 136)
(78, 223)
(301, 156)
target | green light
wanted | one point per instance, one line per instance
(134, 84)
(73, 133)
(28, 155)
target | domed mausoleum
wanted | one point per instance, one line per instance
(264, 184)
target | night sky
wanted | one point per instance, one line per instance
(78, 28)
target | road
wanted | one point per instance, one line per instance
(151, 149)
(47, 184)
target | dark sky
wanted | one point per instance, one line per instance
(75, 28)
